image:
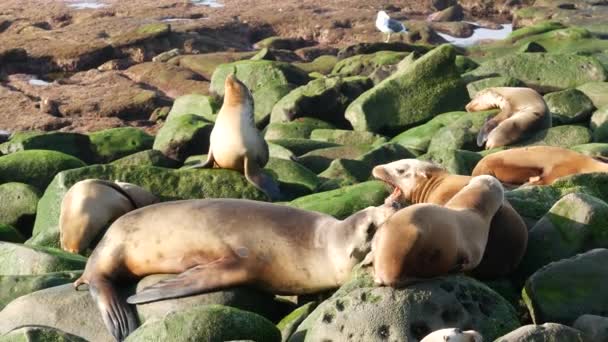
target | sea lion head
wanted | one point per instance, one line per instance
(484, 100)
(140, 196)
(484, 193)
(236, 92)
(405, 175)
(453, 335)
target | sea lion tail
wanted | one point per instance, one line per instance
(117, 315)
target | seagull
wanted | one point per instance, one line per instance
(387, 25)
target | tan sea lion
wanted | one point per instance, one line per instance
(92, 204)
(417, 181)
(218, 243)
(427, 240)
(538, 165)
(235, 142)
(522, 111)
(453, 335)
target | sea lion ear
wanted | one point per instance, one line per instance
(423, 174)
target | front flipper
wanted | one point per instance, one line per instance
(199, 279)
(117, 315)
(206, 165)
(263, 182)
(487, 127)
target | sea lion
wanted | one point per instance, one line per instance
(537, 165)
(453, 335)
(427, 240)
(218, 243)
(235, 143)
(417, 181)
(92, 204)
(522, 111)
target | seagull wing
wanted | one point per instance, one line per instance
(395, 26)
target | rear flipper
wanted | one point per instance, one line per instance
(487, 127)
(199, 279)
(118, 316)
(206, 165)
(263, 182)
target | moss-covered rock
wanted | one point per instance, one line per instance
(205, 64)
(460, 162)
(183, 136)
(35, 167)
(39, 334)
(322, 64)
(299, 128)
(419, 137)
(373, 313)
(499, 81)
(594, 150)
(563, 290)
(141, 34)
(452, 13)
(290, 323)
(302, 146)
(276, 42)
(319, 160)
(460, 133)
(569, 106)
(541, 333)
(596, 91)
(595, 328)
(16, 259)
(599, 124)
(197, 104)
(343, 202)
(294, 179)
(19, 202)
(344, 172)
(74, 144)
(347, 137)
(164, 183)
(10, 234)
(15, 286)
(115, 143)
(532, 30)
(365, 64)
(265, 98)
(147, 158)
(278, 151)
(464, 64)
(429, 86)
(561, 136)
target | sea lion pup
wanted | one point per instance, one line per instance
(427, 240)
(416, 181)
(219, 243)
(453, 335)
(538, 165)
(92, 204)
(522, 111)
(235, 143)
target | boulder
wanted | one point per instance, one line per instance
(299, 128)
(364, 65)
(147, 158)
(115, 143)
(569, 106)
(204, 64)
(183, 136)
(419, 137)
(302, 146)
(461, 133)
(562, 136)
(452, 13)
(599, 124)
(276, 42)
(39, 334)
(19, 259)
(460, 162)
(10, 234)
(323, 64)
(15, 286)
(294, 179)
(278, 151)
(290, 323)
(319, 160)
(594, 328)
(344, 172)
(347, 137)
(204, 106)
(172, 80)
(141, 34)
(499, 81)
(594, 150)
(19, 202)
(265, 98)
(429, 86)
(74, 144)
(564, 290)
(368, 48)
(547, 332)
(596, 91)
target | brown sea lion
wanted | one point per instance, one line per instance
(453, 335)
(92, 204)
(235, 142)
(417, 181)
(538, 165)
(427, 240)
(522, 111)
(218, 243)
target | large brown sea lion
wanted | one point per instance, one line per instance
(417, 181)
(453, 335)
(538, 165)
(235, 142)
(522, 111)
(218, 243)
(92, 204)
(426, 240)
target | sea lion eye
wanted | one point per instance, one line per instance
(400, 171)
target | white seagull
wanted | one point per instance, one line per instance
(387, 25)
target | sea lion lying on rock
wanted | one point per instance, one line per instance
(92, 204)
(218, 243)
(416, 181)
(453, 335)
(522, 111)
(537, 165)
(427, 240)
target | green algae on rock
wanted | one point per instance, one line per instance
(115, 143)
(197, 104)
(302, 146)
(561, 136)
(322, 64)
(419, 137)
(74, 144)
(594, 150)
(569, 106)
(599, 124)
(39, 334)
(294, 179)
(290, 323)
(15, 286)
(10, 234)
(183, 136)
(19, 259)
(147, 158)
(596, 91)
(319, 160)
(140, 34)
(347, 137)
(19, 203)
(365, 64)
(300, 128)
(499, 81)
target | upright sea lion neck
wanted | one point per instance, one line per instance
(421, 193)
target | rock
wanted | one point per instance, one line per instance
(383, 154)
(594, 328)
(265, 98)
(172, 80)
(443, 4)
(208, 323)
(344, 172)
(166, 56)
(19, 202)
(324, 98)
(547, 332)
(460, 162)
(27, 260)
(204, 106)
(35, 167)
(403, 99)
(594, 150)
(319, 160)
(562, 136)
(15, 286)
(115, 143)
(421, 32)
(279, 55)
(461, 29)
(500, 81)
(460, 133)
(164, 183)
(278, 151)
(39, 334)
(452, 13)
(322, 64)
(141, 34)
(347, 137)
(160, 114)
(299, 128)
(532, 47)
(464, 64)
(368, 48)
(147, 158)
(294, 179)
(535, 29)
(575, 224)
(74, 144)
(544, 72)
(364, 65)
(10, 234)
(345, 201)
(418, 138)
(596, 91)
(302, 146)
(276, 42)
(599, 124)
(204, 64)
(369, 313)
(569, 106)
(183, 136)
(290, 323)
(563, 290)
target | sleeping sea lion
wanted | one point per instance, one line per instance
(416, 181)
(522, 111)
(219, 243)
(453, 335)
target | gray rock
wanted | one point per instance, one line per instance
(595, 328)
(548, 332)
(39, 334)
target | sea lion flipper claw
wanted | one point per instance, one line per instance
(263, 182)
